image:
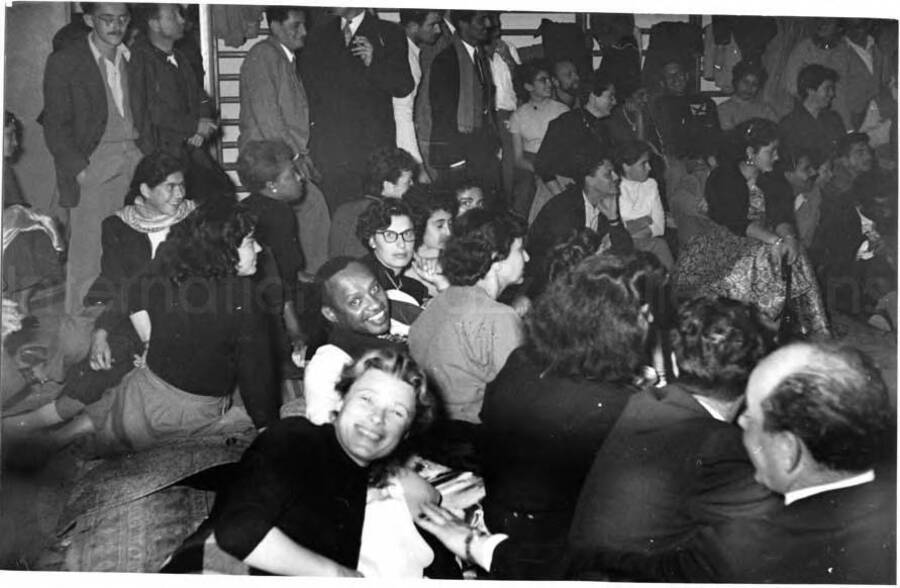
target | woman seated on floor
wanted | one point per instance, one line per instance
(433, 213)
(208, 334)
(297, 500)
(130, 239)
(386, 229)
(558, 396)
(739, 255)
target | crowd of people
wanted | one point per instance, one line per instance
(611, 299)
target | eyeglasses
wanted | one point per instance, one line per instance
(110, 19)
(409, 235)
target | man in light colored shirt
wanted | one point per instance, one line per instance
(421, 28)
(90, 131)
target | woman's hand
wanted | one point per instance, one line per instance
(787, 246)
(101, 355)
(429, 269)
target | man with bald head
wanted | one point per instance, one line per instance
(359, 317)
(819, 429)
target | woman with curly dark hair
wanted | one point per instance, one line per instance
(204, 332)
(433, 212)
(465, 335)
(558, 396)
(386, 229)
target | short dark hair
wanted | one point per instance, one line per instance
(377, 217)
(327, 271)
(527, 72)
(629, 152)
(387, 164)
(836, 403)
(587, 323)
(586, 163)
(152, 170)
(812, 76)
(749, 67)
(205, 244)
(717, 343)
(458, 16)
(260, 162)
(416, 16)
(480, 237)
(143, 13)
(280, 14)
(849, 140)
(601, 82)
(789, 157)
(755, 133)
(424, 202)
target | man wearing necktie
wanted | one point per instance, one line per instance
(464, 137)
(353, 65)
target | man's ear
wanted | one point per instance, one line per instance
(790, 452)
(329, 314)
(88, 19)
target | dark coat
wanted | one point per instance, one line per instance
(166, 101)
(447, 144)
(351, 112)
(729, 199)
(666, 468)
(570, 136)
(75, 113)
(844, 536)
(557, 220)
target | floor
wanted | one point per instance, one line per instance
(35, 486)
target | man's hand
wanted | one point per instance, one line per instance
(101, 355)
(362, 48)
(206, 127)
(81, 175)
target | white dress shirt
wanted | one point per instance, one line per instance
(354, 22)
(591, 213)
(404, 107)
(638, 199)
(506, 91)
(113, 71)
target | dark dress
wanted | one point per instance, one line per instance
(722, 261)
(540, 434)
(296, 477)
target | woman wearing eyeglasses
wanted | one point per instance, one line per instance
(386, 229)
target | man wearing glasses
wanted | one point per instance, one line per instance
(89, 129)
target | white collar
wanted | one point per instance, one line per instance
(450, 26)
(353, 22)
(290, 54)
(470, 49)
(795, 495)
(121, 50)
(712, 410)
(869, 43)
(415, 49)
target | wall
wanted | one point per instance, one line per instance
(30, 27)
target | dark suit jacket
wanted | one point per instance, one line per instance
(844, 536)
(799, 131)
(557, 220)
(166, 102)
(350, 104)
(569, 136)
(666, 468)
(448, 145)
(75, 114)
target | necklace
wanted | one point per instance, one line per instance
(389, 274)
(631, 123)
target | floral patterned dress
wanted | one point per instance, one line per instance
(716, 262)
